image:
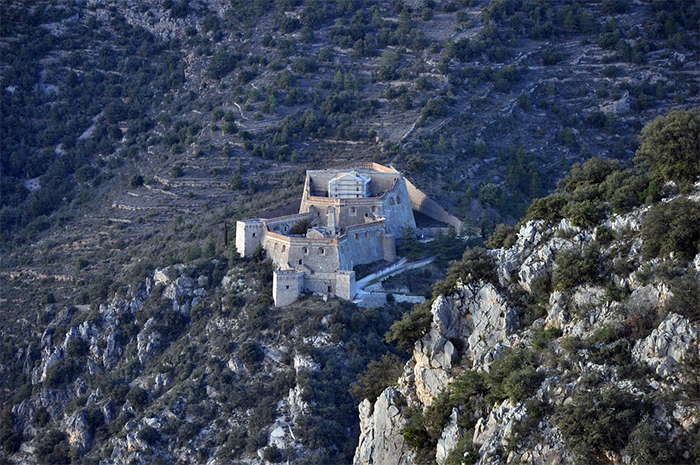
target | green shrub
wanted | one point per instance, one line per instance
(137, 397)
(542, 337)
(54, 448)
(589, 175)
(41, 416)
(63, 372)
(464, 453)
(685, 297)
(646, 447)
(597, 422)
(476, 265)
(504, 236)
(547, 208)
(378, 375)
(670, 147)
(251, 353)
(575, 266)
(672, 227)
(412, 326)
(150, 435)
(514, 376)
(584, 214)
(414, 432)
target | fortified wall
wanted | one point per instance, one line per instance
(347, 217)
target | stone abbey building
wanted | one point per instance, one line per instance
(347, 217)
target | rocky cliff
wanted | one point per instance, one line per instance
(599, 345)
(193, 364)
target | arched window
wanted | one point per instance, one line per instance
(391, 201)
(284, 247)
(398, 199)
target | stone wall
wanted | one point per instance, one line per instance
(317, 254)
(287, 285)
(424, 204)
(361, 244)
(345, 286)
(249, 235)
(284, 224)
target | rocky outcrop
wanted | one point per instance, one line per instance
(449, 438)
(381, 432)
(668, 345)
(473, 323)
(492, 433)
(606, 324)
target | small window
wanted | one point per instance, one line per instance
(366, 235)
(306, 251)
(391, 201)
(253, 234)
(284, 247)
(321, 250)
(357, 236)
(398, 199)
(300, 261)
(287, 286)
(366, 215)
(275, 247)
(329, 289)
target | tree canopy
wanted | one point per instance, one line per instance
(670, 147)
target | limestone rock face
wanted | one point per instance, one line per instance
(491, 434)
(668, 344)
(381, 432)
(78, 431)
(477, 319)
(472, 325)
(452, 433)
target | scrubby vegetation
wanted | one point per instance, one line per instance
(601, 404)
(133, 136)
(599, 188)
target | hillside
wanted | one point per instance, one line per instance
(134, 134)
(575, 341)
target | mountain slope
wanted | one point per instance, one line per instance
(577, 342)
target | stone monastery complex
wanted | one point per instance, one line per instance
(347, 217)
